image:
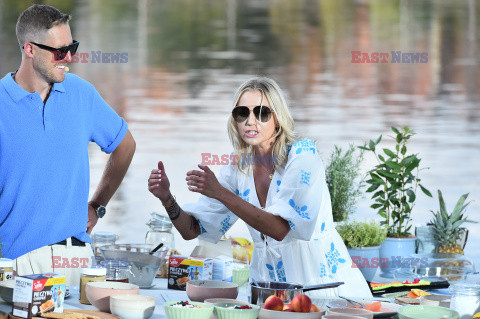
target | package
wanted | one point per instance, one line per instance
(222, 268)
(182, 269)
(34, 295)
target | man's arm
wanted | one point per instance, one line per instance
(113, 175)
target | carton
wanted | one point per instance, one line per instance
(182, 269)
(37, 294)
(223, 268)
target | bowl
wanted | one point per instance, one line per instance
(204, 312)
(224, 310)
(215, 300)
(436, 300)
(6, 290)
(132, 306)
(426, 312)
(142, 266)
(240, 276)
(98, 292)
(356, 312)
(199, 290)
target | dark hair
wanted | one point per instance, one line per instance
(36, 20)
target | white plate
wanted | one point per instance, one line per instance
(272, 314)
(392, 307)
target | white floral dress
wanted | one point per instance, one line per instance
(312, 252)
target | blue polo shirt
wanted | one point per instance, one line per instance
(44, 165)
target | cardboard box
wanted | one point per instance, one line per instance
(223, 268)
(37, 294)
(182, 269)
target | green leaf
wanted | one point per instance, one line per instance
(363, 148)
(375, 206)
(395, 166)
(371, 144)
(425, 191)
(387, 174)
(411, 196)
(381, 158)
(404, 149)
(378, 140)
(395, 130)
(389, 152)
(372, 188)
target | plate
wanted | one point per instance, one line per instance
(392, 307)
(273, 314)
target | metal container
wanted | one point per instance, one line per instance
(260, 291)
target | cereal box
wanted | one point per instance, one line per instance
(182, 269)
(35, 295)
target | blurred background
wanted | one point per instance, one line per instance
(185, 59)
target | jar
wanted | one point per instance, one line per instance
(88, 275)
(6, 269)
(465, 299)
(117, 270)
(102, 238)
(160, 231)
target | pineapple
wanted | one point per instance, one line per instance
(446, 227)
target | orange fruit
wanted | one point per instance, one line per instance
(375, 307)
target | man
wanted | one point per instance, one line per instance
(47, 119)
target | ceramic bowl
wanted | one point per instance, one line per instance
(224, 310)
(199, 290)
(99, 292)
(132, 306)
(215, 300)
(426, 312)
(363, 313)
(436, 300)
(240, 276)
(204, 312)
(6, 290)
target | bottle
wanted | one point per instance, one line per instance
(102, 238)
(117, 270)
(465, 299)
(160, 232)
(89, 275)
(6, 269)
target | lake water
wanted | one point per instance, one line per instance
(184, 60)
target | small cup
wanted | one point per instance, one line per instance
(436, 300)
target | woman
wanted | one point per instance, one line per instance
(277, 186)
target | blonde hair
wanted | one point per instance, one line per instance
(285, 135)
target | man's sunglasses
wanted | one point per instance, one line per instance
(59, 53)
(262, 113)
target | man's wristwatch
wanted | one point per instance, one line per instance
(99, 209)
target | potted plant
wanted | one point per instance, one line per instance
(394, 182)
(449, 236)
(363, 240)
(344, 182)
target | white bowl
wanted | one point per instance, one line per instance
(132, 306)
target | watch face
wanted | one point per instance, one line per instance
(101, 211)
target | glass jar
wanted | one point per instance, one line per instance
(88, 275)
(102, 238)
(117, 270)
(465, 299)
(160, 231)
(6, 269)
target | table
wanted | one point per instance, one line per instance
(159, 291)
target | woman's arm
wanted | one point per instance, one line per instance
(159, 185)
(207, 184)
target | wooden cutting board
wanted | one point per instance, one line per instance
(101, 315)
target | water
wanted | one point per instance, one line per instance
(185, 59)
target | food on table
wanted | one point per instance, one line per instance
(446, 227)
(47, 306)
(185, 304)
(240, 307)
(301, 303)
(415, 293)
(314, 308)
(68, 314)
(288, 307)
(274, 303)
(415, 282)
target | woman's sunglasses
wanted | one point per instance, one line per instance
(262, 113)
(60, 53)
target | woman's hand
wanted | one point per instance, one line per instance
(158, 183)
(204, 182)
